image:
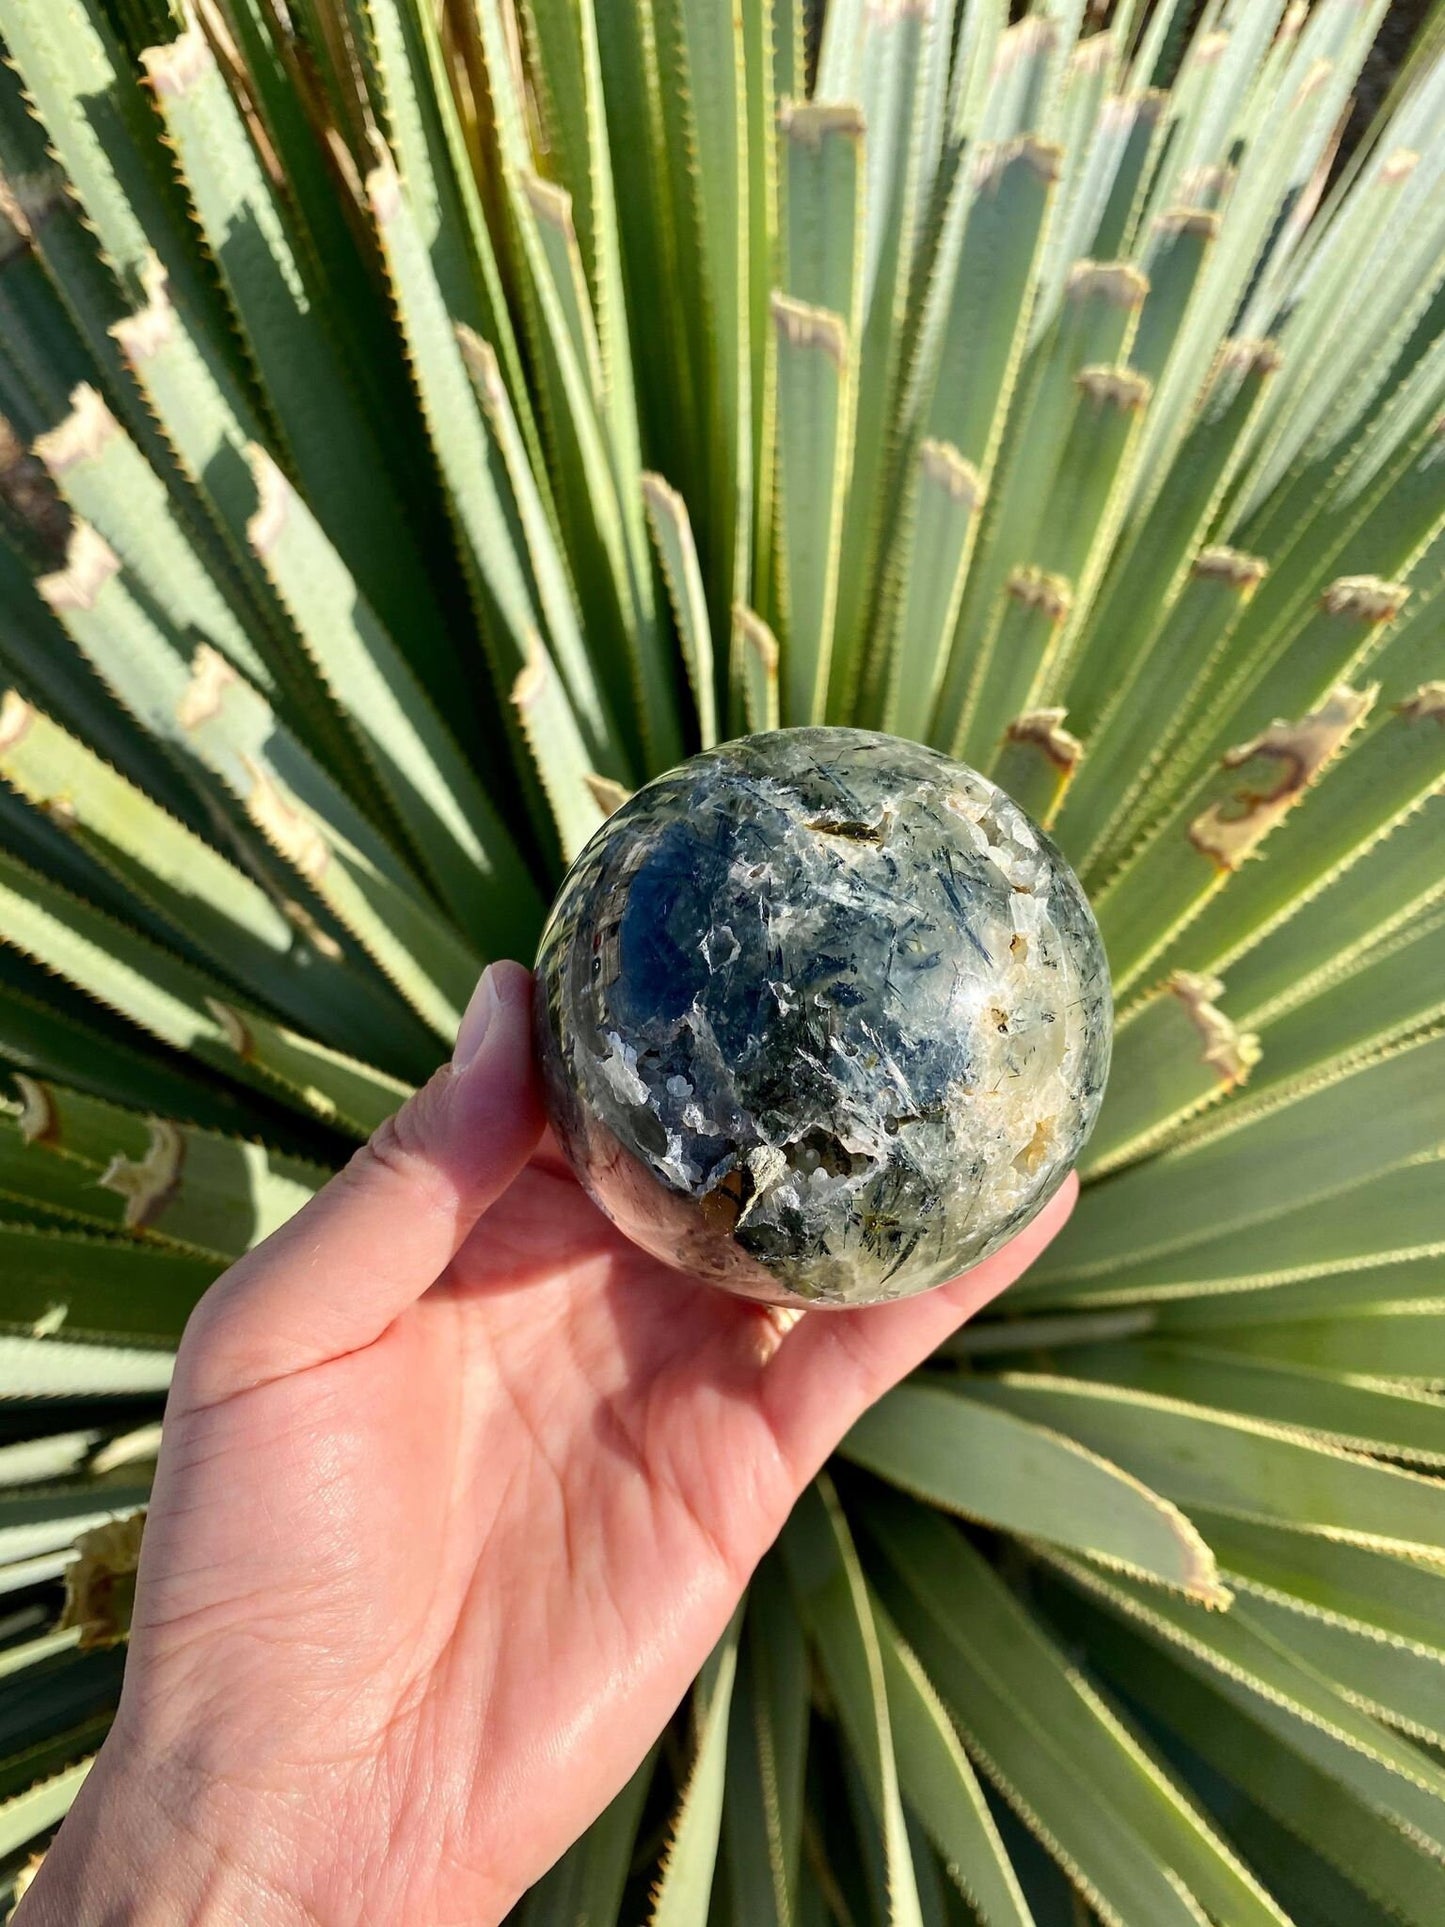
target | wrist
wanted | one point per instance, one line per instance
(138, 1851)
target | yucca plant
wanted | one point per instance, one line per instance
(427, 419)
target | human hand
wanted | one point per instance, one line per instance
(457, 1492)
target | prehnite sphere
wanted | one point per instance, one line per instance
(823, 1017)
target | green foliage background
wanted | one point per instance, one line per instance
(428, 418)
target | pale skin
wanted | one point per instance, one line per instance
(458, 1490)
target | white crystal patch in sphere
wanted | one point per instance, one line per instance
(823, 1017)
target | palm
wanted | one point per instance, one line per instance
(447, 1581)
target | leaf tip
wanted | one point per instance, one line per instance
(233, 1028)
(1426, 705)
(153, 325)
(81, 436)
(382, 185)
(532, 678)
(1200, 221)
(147, 1184)
(1231, 830)
(1231, 1052)
(606, 793)
(202, 697)
(810, 122)
(809, 328)
(756, 635)
(1034, 588)
(1043, 159)
(1119, 283)
(100, 1583)
(550, 203)
(661, 497)
(482, 365)
(90, 562)
(941, 463)
(38, 1122)
(265, 524)
(1245, 355)
(177, 66)
(1364, 598)
(16, 716)
(1221, 564)
(1122, 389)
(1044, 729)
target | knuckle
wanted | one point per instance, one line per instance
(391, 1147)
(401, 1153)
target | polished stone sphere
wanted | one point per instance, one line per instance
(823, 1017)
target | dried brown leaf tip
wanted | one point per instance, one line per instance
(203, 695)
(83, 434)
(1206, 187)
(1230, 831)
(1044, 730)
(482, 365)
(1119, 283)
(534, 677)
(1092, 56)
(1231, 1052)
(38, 1121)
(1030, 37)
(153, 326)
(90, 562)
(100, 1584)
(177, 67)
(25, 1877)
(16, 716)
(940, 463)
(286, 826)
(300, 918)
(661, 496)
(803, 326)
(1248, 356)
(1220, 564)
(1426, 705)
(1203, 221)
(550, 203)
(1043, 158)
(383, 185)
(1124, 389)
(810, 122)
(605, 793)
(756, 635)
(1035, 588)
(273, 491)
(148, 1184)
(232, 1027)
(1364, 598)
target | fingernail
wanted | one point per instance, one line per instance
(476, 1020)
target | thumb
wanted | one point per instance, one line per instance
(332, 1278)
